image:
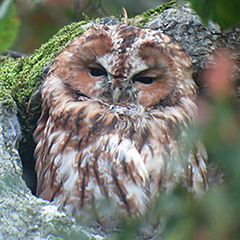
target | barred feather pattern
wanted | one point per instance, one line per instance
(117, 105)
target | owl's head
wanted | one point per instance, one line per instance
(126, 65)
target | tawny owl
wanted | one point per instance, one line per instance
(117, 103)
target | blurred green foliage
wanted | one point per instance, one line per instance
(225, 13)
(216, 216)
(9, 24)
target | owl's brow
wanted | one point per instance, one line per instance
(148, 72)
(95, 64)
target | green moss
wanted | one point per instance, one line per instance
(5, 87)
(159, 9)
(6, 99)
(146, 16)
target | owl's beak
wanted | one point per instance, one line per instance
(116, 95)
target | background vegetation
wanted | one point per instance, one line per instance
(25, 25)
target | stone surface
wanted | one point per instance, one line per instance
(199, 41)
(185, 26)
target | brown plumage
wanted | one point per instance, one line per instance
(117, 103)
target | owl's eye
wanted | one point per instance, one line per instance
(97, 72)
(144, 80)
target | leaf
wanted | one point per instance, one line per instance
(225, 13)
(9, 24)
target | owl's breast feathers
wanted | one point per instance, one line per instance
(89, 151)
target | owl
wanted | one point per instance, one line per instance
(117, 104)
